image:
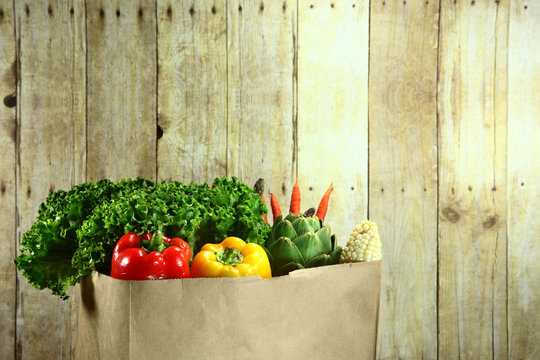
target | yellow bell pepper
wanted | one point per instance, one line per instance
(231, 258)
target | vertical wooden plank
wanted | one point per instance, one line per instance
(262, 93)
(8, 125)
(523, 180)
(403, 172)
(192, 94)
(333, 48)
(51, 153)
(472, 168)
(122, 76)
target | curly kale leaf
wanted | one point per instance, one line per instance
(76, 230)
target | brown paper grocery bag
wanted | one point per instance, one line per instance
(322, 313)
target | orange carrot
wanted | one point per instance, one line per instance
(276, 211)
(323, 205)
(295, 199)
(265, 216)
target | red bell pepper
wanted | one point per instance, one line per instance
(150, 257)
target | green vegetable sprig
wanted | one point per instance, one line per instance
(75, 231)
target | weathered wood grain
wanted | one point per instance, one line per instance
(8, 125)
(121, 89)
(403, 172)
(523, 181)
(261, 131)
(472, 181)
(333, 109)
(51, 153)
(192, 93)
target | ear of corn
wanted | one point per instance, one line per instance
(364, 244)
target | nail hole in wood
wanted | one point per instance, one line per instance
(101, 13)
(3, 188)
(10, 100)
(425, 189)
(169, 11)
(469, 187)
(494, 188)
(26, 10)
(1, 13)
(352, 188)
(51, 188)
(522, 184)
(404, 3)
(427, 2)
(261, 7)
(453, 191)
(117, 12)
(353, 5)
(214, 10)
(383, 3)
(382, 189)
(140, 12)
(191, 11)
(402, 190)
(332, 5)
(284, 7)
(50, 11)
(283, 188)
(159, 133)
(71, 11)
(311, 188)
(472, 2)
(239, 8)
(28, 191)
(311, 6)
(525, 7)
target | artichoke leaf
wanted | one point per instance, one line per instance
(290, 217)
(309, 245)
(314, 222)
(320, 260)
(336, 254)
(301, 226)
(287, 268)
(325, 235)
(283, 251)
(284, 228)
(269, 240)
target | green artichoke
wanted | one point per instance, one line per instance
(298, 242)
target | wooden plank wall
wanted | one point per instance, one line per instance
(424, 114)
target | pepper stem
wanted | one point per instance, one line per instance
(230, 256)
(155, 244)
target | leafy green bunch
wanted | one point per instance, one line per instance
(76, 231)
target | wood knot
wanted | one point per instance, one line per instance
(10, 100)
(450, 215)
(490, 222)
